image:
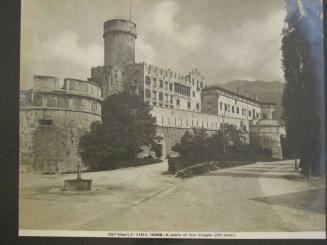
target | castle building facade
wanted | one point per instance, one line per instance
(180, 102)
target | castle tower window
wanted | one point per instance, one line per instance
(45, 122)
(161, 96)
(147, 80)
(148, 93)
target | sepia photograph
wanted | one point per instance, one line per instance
(184, 119)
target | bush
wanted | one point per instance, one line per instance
(199, 147)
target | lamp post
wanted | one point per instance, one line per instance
(77, 184)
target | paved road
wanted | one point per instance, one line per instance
(256, 197)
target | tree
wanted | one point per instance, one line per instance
(302, 98)
(127, 125)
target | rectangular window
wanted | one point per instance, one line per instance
(221, 106)
(193, 93)
(147, 80)
(171, 87)
(237, 110)
(161, 84)
(225, 107)
(232, 109)
(189, 105)
(177, 102)
(197, 106)
(45, 122)
(161, 96)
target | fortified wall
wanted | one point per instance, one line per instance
(53, 117)
(174, 123)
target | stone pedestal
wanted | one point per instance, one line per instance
(78, 185)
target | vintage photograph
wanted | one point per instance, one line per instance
(198, 119)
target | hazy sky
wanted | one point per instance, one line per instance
(224, 39)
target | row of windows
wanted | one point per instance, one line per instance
(228, 108)
(166, 98)
(192, 123)
(181, 89)
(178, 88)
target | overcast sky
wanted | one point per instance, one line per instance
(224, 39)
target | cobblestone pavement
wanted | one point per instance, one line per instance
(256, 197)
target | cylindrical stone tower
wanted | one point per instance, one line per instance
(119, 42)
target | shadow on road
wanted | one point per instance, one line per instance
(251, 175)
(310, 200)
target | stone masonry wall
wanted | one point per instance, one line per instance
(51, 147)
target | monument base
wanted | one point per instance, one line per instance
(78, 185)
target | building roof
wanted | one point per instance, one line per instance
(215, 87)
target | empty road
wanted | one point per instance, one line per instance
(259, 197)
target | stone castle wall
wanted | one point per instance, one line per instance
(49, 138)
(173, 118)
(52, 119)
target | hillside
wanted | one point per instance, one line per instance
(266, 91)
